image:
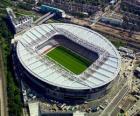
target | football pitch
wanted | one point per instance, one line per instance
(69, 59)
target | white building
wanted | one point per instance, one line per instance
(34, 109)
(20, 23)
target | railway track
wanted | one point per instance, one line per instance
(133, 41)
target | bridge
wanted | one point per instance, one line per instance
(44, 18)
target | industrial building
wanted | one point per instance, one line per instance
(58, 12)
(20, 23)
(128, 52)
(112, 21)
(54, 81)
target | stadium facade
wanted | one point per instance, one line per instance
(54, 81)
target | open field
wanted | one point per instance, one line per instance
(69, 59)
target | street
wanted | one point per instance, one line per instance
(112, 106)
(3, 96)
(108, 110)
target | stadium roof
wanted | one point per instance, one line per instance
(49, 73)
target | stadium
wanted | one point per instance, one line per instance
(66, 62)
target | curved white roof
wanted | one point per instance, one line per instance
(49, 73)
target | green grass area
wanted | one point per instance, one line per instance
(118, 43)
(69, 59)
(22, 12)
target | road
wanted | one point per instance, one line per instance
(113, 104)
(99, 17)
(3, 94)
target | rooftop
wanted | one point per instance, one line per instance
(34, 109)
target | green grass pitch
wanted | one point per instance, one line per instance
(69, 59)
